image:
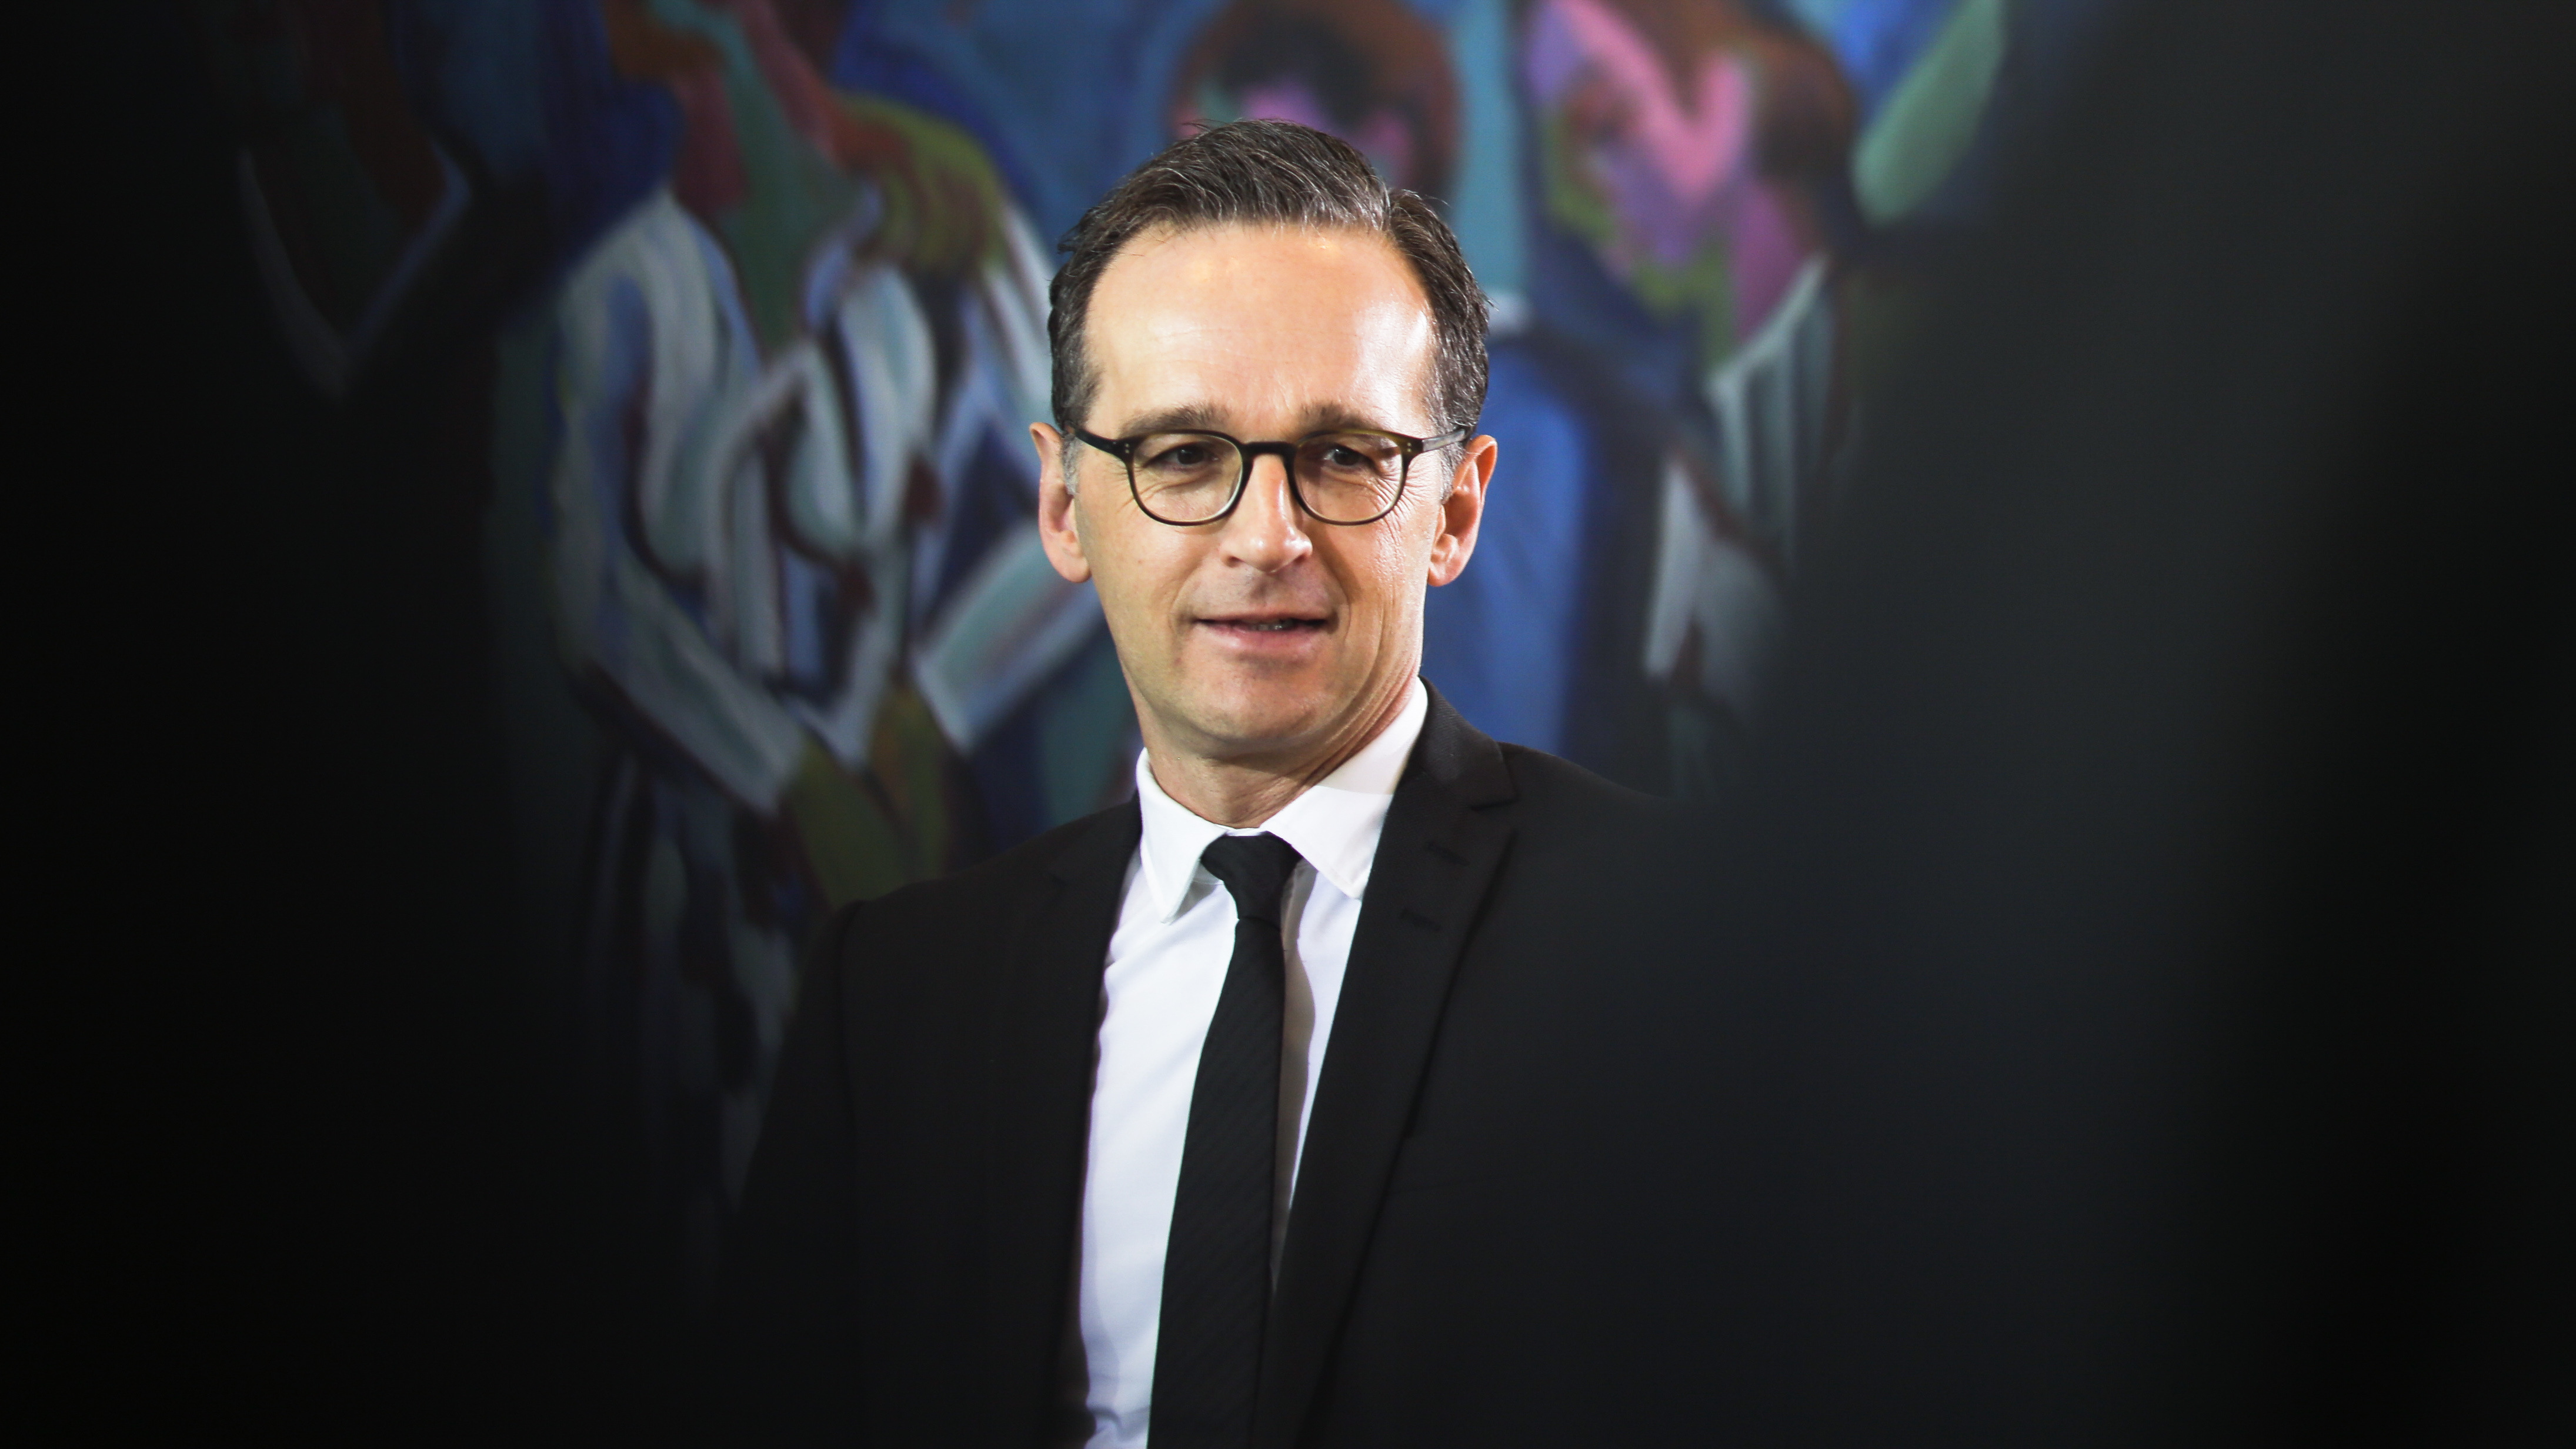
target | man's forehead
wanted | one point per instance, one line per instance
(1203, 326)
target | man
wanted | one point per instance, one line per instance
(1249, 1111)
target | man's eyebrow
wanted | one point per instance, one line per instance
(1329, 417)
(1204, 417)
(1198, 417)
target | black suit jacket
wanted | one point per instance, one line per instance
(906, 1251)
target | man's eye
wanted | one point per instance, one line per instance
(1356, 458)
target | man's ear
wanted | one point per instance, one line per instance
(1462, 513)
(1057, 528)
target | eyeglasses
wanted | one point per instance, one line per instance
(1342, 476)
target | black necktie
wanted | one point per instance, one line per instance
(1216, 1269)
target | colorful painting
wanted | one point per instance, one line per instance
(759, 288)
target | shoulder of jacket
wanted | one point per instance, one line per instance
(951, 918)
(985, 883)
(1549, 782)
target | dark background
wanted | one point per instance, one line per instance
(2113, 674)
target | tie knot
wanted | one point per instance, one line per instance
(1255, 871)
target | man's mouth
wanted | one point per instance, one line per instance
(1267, 625)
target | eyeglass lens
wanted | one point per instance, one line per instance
(1344, 477)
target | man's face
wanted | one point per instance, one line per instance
(1265, 636)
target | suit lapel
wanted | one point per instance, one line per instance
(1435, 858)
(1046, 1023)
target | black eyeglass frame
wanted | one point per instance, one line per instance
(1124, 450)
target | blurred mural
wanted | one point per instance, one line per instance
(759, 289)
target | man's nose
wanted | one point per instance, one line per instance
(1267, 529)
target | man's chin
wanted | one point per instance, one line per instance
(1262, 723)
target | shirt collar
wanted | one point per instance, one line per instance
(1334, 824)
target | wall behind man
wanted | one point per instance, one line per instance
(627, 398)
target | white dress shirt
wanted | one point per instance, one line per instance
(1167, 964)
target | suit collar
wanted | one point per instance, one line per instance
(1456, 759)
(1445, 836)
(1101, 845)
(1333, 825)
